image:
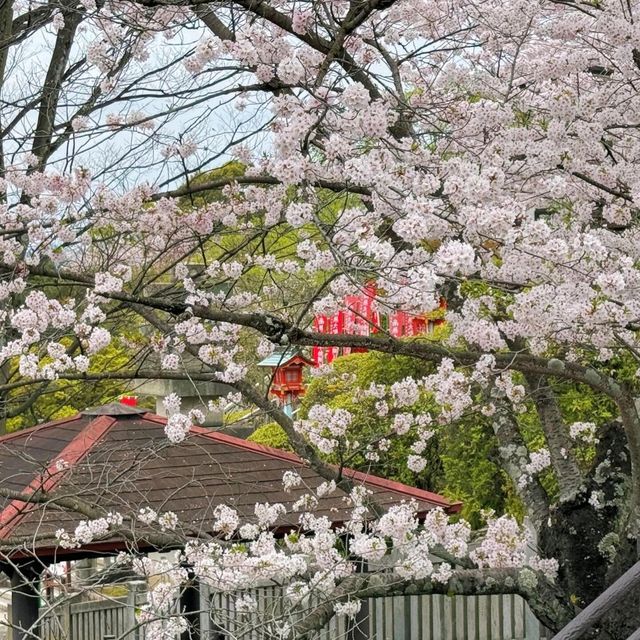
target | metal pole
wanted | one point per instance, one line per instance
(603, 603)
(25, 603)
(360, 628)
(190, 608)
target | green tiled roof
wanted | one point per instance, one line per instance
(280, 357)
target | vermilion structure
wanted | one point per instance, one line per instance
(362, 317)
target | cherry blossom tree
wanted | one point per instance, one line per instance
(479, 150)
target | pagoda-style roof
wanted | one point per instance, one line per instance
(117, 458)
(283, 356)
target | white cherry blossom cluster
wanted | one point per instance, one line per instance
(36, 318)
(107, 283)
(583, 432)
(538, 462)
(246, 604)
(268, 514)
(226, 520)
(177, 427)
(291, 480)
(325, 427)
(504, 545)
(451, 389)
(350, 608)
(147, 515)
(87, 531)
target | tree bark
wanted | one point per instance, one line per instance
(511, 448)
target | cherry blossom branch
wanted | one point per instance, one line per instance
(52, 82)
(218, 183)
(123, 374)
(75, 505)
(285, 332)
(266, 11)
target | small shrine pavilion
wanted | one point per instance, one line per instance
(286, 383)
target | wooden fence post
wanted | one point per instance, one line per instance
(25, 602)
(190, 608)
(65, 621)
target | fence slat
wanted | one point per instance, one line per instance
(484, 620)
(436, 616)
(507, 617)
(448, 618)
(496, 622)
(471, 630)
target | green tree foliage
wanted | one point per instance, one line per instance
(462, 458)
(283, 291)
(233, 169)
(63, 398)
(359, 371)
(271, 435)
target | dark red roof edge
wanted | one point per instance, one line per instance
(72, 453)
(383, 483)
(398, 487)
(57, 553)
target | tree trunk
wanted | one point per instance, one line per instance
(587, 535)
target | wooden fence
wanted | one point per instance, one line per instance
(428, 617)
(435, 617)
(93, 620)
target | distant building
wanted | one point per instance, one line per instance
(286, 382)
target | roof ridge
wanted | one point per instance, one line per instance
(72, 453)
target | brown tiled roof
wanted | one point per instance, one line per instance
(124, 462)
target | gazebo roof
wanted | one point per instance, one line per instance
(118, 458)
